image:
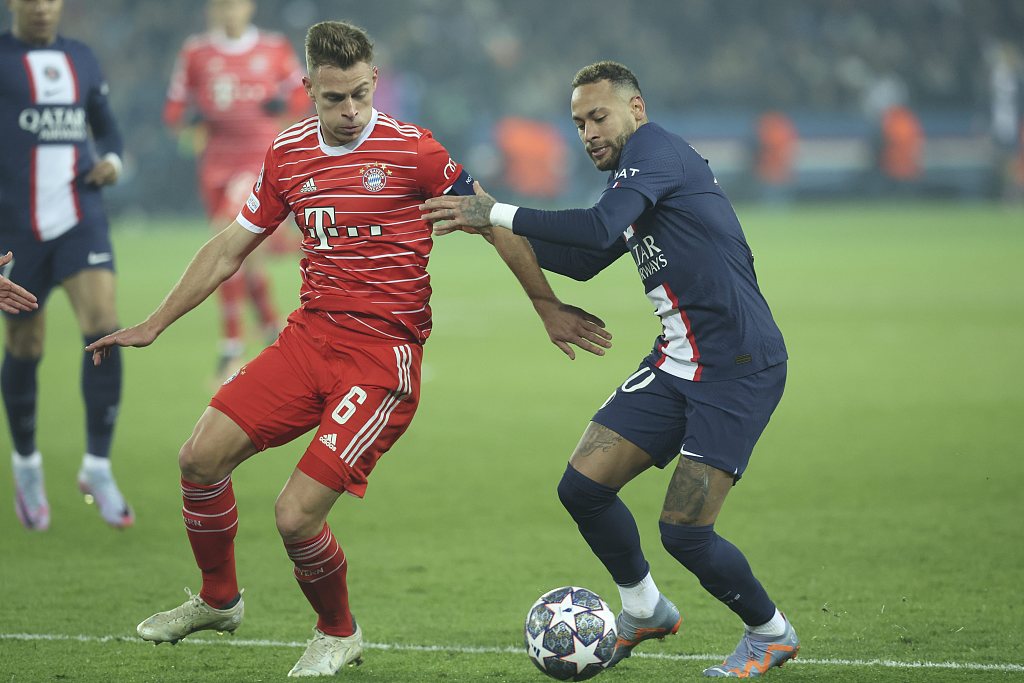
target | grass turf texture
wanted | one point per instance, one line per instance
(881, 509)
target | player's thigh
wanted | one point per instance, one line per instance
(32, 268)
(92, 293)
(695, 494)
(725, 419)
(216, 447)
(275, 397)
(604, 456)
(370, 406)
(641, 424)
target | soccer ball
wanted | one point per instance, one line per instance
(570, 633)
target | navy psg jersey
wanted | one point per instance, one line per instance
(690, 252)
(51, 99)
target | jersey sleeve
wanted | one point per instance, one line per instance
(105, 130)
(436, 172)
(650, 167)
(266, 206)
(179, 88)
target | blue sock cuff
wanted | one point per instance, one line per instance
(585, 483)
(681, 532)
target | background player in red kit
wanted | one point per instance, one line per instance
(244, 84)
(348, 362)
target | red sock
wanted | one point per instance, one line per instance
(232, 294)
(320, 569)
(259, 291)
(211, 520)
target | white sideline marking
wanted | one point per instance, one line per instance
(470, 650)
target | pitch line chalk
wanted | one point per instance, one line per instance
(471, 650)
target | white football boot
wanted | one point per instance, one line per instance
(194, 615)
(96, 481)
(326, 655)
(29, 492)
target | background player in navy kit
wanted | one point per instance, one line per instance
(708, 387)
(52, 94)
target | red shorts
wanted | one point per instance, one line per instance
(359, 392)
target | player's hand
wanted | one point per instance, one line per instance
(103, 173)
(14, 298)
(138, 336)
(571, 325)
(453, 212)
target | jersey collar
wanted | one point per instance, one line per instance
(235, 46)
(342, 150)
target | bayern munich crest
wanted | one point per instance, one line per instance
(375, 176)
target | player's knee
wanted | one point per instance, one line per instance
(197, 465)
(583, 497)
(294, 522)
(691, 545)
(24, 338)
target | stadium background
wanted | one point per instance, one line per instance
(476, 71)
(882, 507)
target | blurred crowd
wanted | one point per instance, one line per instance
(465, 67)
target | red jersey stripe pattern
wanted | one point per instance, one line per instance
(364, 244)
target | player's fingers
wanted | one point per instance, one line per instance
(595, 338)
(6, 258)
(598, 329)
(566, 349)
(589, 347)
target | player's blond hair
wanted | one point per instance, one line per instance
(337, 43)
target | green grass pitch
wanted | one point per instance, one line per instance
(882, 508)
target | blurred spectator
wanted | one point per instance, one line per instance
(901, 150)
(535, 157)
(777, 142)
(1004, 64)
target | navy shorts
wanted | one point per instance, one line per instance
(41, 266)
(717, 423)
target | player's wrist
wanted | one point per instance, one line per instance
(115, 161)
(502, 215)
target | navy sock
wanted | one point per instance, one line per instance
(101, 391)
(18, 385)
(721, 569)
(606, 524)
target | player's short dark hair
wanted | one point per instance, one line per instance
(337, 43)
(619, 76)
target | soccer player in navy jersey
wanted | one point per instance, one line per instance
(707, 389)
(347, 365)
(52, 96)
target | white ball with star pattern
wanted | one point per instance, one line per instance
(570, 633)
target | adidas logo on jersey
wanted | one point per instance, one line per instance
(330, 440)
(308, 186)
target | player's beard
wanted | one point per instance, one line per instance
(611, 162)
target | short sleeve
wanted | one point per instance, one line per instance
(266, 206)
(435, 169)
(651, 166)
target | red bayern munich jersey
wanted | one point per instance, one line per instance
(229, 81)
(364, 243)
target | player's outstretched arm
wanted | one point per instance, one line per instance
(215, 262)
(566, 325)
(14, 298)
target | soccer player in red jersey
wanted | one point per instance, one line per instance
(243, 85)
(347, 365)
